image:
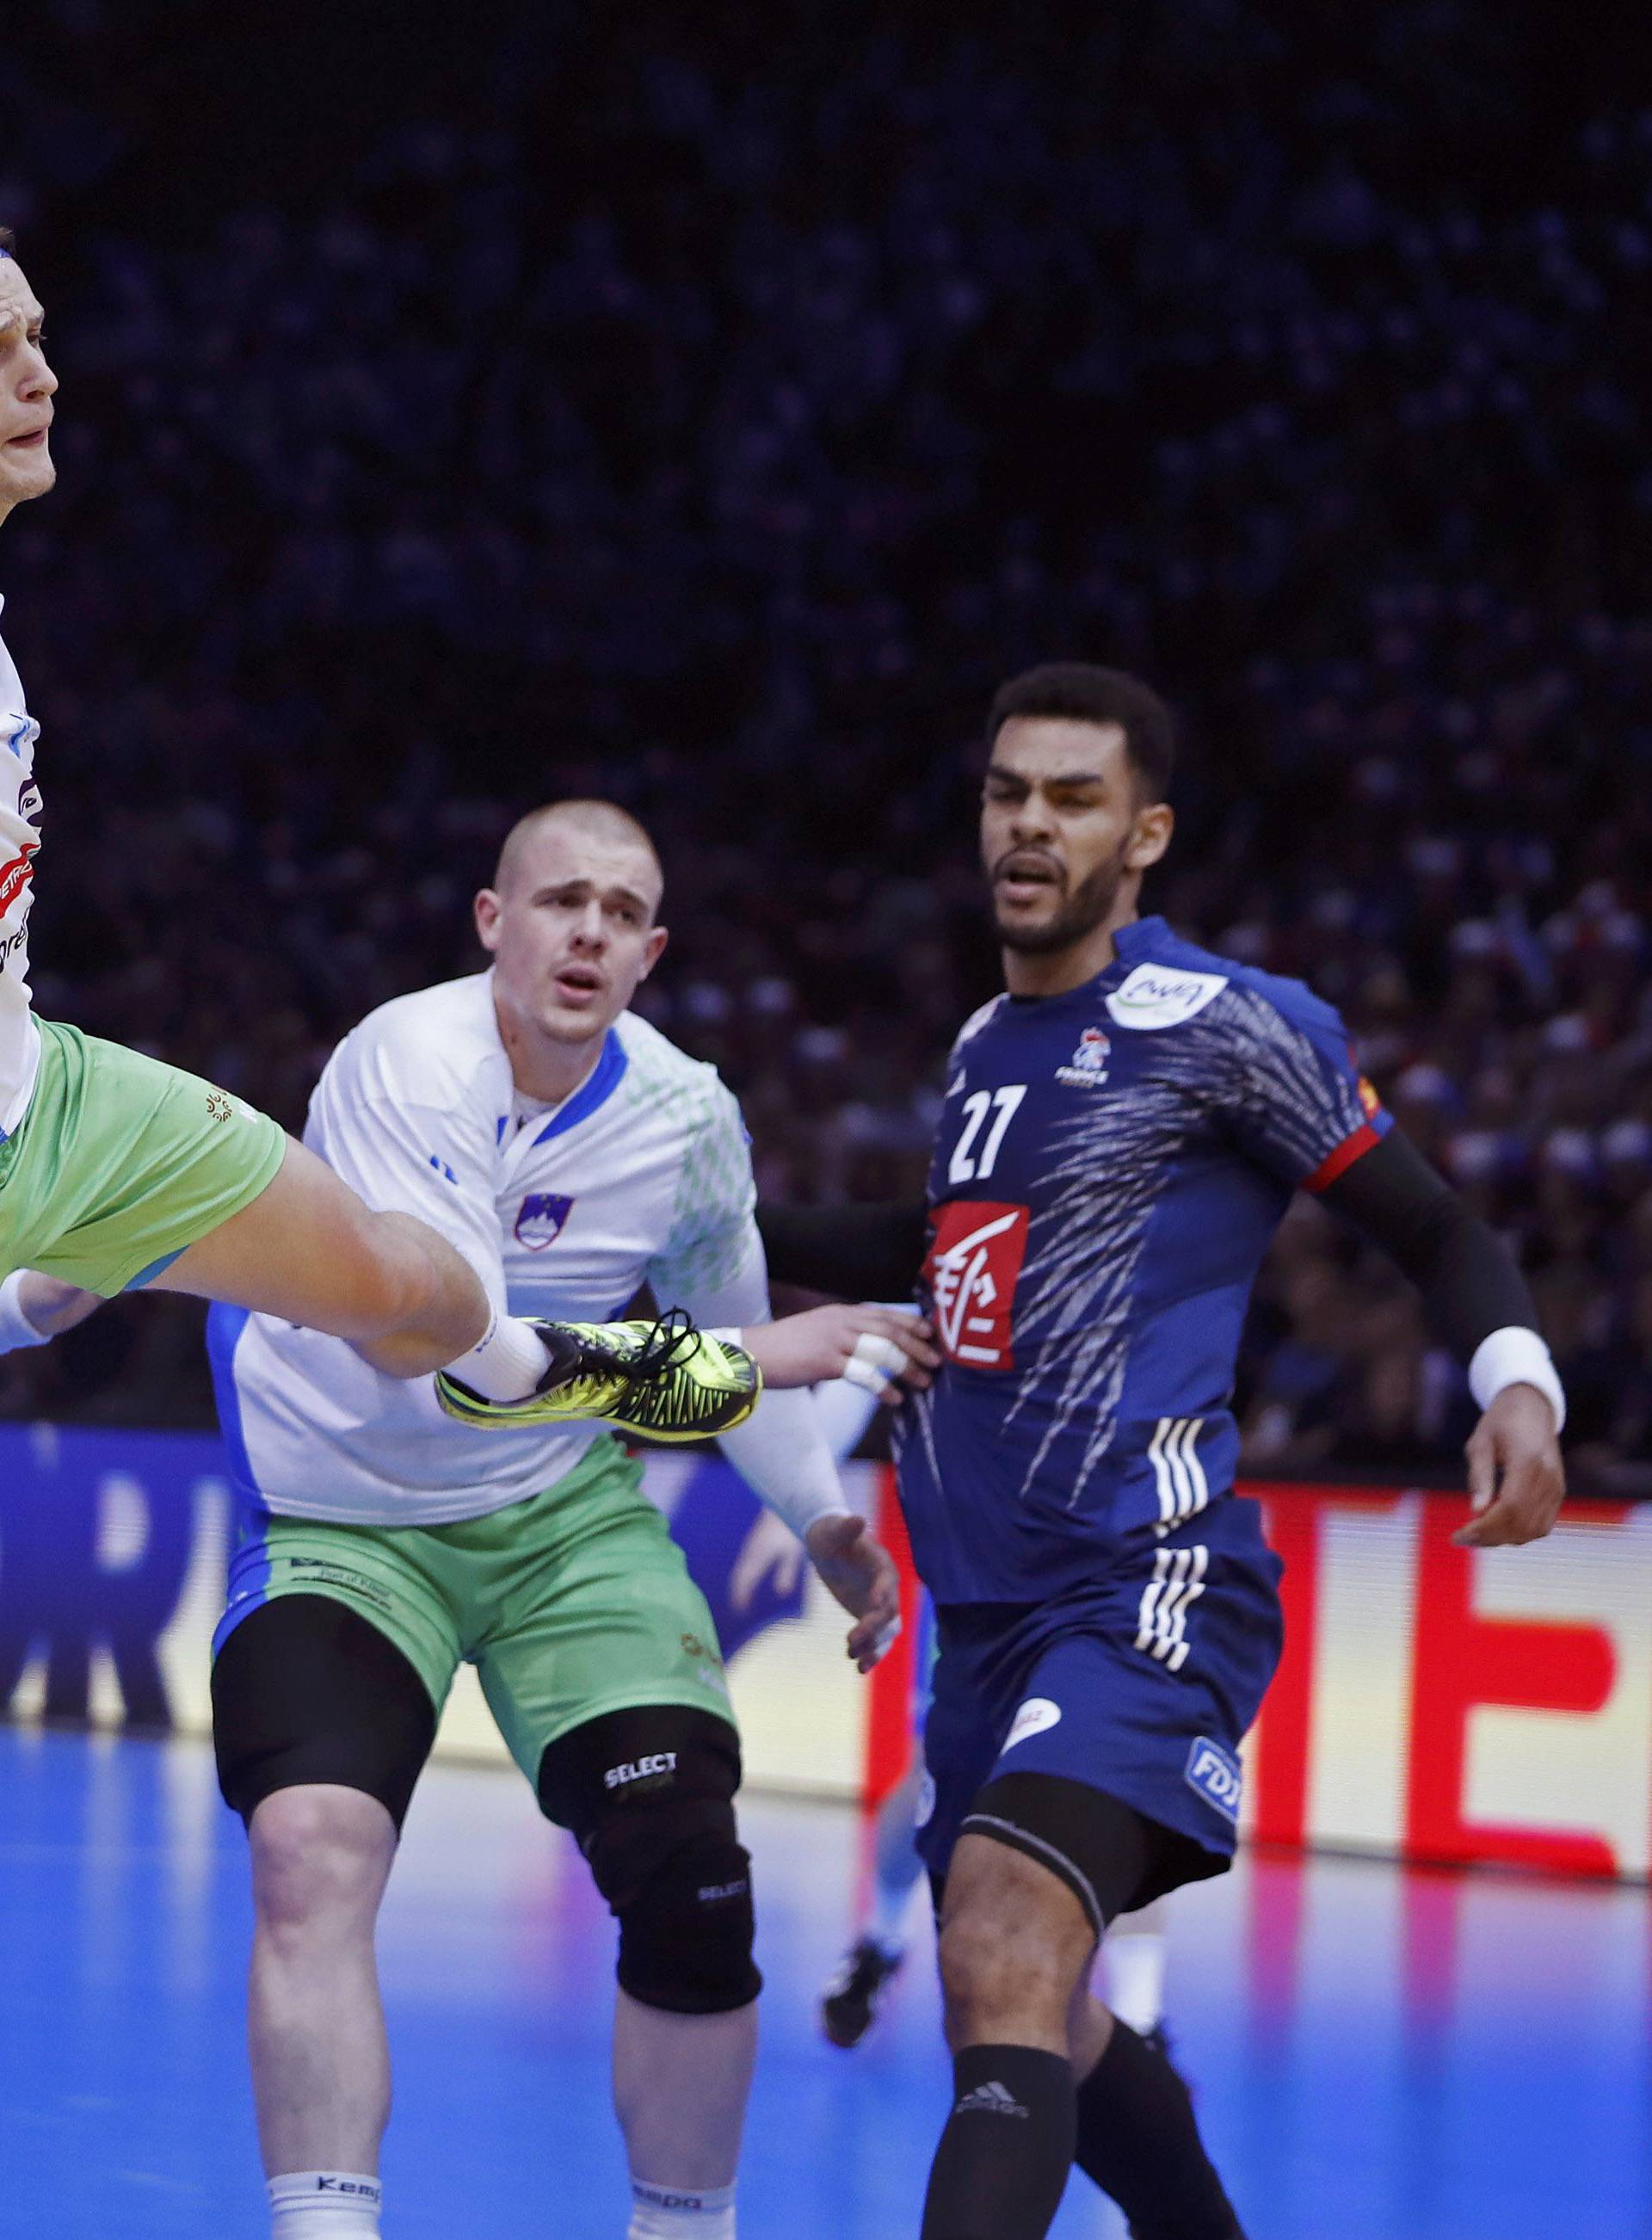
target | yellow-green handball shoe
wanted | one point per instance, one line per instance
(665, 1380)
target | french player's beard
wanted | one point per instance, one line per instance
(1087, 906)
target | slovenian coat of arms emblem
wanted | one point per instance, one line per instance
(542, 1218)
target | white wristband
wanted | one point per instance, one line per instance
(15, 1329)
(1515, 1355)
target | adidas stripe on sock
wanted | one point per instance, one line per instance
(1002, 2165)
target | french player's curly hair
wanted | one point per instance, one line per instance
(1083, 692)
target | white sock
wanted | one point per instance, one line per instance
(1135, 1979)
(506, 1363)
(890, 1908)
(667, 2212)
(324, 2206)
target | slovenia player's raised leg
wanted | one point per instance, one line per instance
(129, 1174)
(309, 1251)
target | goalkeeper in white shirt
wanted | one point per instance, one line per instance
(572, 1154)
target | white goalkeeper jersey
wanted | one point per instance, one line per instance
(19, 839)
(643, 1175)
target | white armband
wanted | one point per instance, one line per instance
(1515, 1355)
(15, 1329)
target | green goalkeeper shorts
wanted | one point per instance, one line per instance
(121, 1163)
(570, 1603)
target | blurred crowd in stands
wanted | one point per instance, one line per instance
(709, 412)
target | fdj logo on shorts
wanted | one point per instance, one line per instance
(972, 1270)
(542, 1218)
(1216, 1773)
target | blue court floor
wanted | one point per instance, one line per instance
(1420, 2057)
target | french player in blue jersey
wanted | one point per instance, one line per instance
(1123, 1131)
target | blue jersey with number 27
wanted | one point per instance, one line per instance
(1110, 1166)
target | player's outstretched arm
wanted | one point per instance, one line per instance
(1479, 1302)
(888, 1349)
(716, 1268)
(35, 1308)
(781, 1449)
(783, 1453)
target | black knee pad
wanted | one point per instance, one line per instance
(685, 1939)
(648, 1794)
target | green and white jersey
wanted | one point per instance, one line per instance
(19, 839)
(643, 1175)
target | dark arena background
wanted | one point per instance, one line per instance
(706, 407)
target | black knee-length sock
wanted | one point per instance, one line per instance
(1001, 2164)
(1137, 2138)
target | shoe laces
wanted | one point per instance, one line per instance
(671, 1341)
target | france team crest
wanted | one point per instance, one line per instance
(1086, 1068)
(543, 1216)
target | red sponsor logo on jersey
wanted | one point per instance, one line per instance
(16, 874)
(972, 1270)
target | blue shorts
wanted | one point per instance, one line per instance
(1142, 1685)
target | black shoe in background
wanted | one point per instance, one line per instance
(850, 2004)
